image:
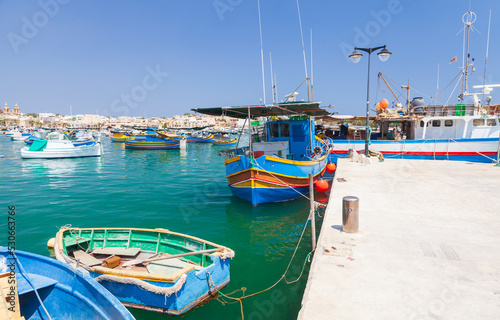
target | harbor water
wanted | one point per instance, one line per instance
(181, 191)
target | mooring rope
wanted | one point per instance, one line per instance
(283, 277)
(166, 291)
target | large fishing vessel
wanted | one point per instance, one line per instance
(462, 131)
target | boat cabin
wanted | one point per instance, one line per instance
(282, 138)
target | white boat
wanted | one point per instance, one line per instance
(55, 149)
(467, 132)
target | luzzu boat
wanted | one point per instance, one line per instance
(45, 288)
(282, 153)
(56, 149)
(149, 143)
(118, 137)
(227, 142)
(156, 270)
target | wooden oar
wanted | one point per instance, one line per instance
(134, 262)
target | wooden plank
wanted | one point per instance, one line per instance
(168, 267)
(86, 259)
(68, 242)
(119, 251)
(5, 313)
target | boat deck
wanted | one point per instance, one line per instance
(98, 257)
(427, 248)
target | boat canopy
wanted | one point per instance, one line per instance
(38, 145)
(282, 109)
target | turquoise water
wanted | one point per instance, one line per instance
(181, 191)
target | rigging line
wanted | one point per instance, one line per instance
(300, 85)
(449, 84)
(486, 59)
(461, 75)
(262, 56)
(302, 38)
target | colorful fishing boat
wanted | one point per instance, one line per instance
(149, 143)
(37, 287)
(119, 137)
(281, 155)
(155, 270)
(227, 142)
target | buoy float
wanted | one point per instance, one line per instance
(331, 167)
(51, 242)
(377, 106)
(384, 103)
(321, 185)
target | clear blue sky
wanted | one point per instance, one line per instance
(161, 58)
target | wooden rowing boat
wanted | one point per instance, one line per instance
(156, 270)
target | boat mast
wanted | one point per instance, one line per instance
(303, 52)
(486, 62)
(468, 19)
(250, 133)
(312, 96)
(261, 57)
(272, 80)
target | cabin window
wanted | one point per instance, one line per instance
(421, 124)
(436, 123)
(478, 122)
(275, 130)
(491, 122)
(284, 129)
(448, 123)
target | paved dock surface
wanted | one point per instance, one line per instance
(428, 245)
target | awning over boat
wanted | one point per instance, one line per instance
(283, 109)
(343, 118)
(38, 145)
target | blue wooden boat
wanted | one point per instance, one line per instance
(148, 143)
(227, 142)
(281, 155)
(45, 286)
(153, 269)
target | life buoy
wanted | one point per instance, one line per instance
(317, 151)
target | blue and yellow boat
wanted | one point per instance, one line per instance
(227, 142)
(119, 137)
(281, 154)
(149, 143)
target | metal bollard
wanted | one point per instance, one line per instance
(350, 214)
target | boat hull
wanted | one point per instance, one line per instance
(473, 150)
(66, 293)
(151, 144)
(68, 151)
(270, 179)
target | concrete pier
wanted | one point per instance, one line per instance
(428, 245)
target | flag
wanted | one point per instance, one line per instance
(453, 59)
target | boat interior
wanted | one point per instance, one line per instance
(115, 249)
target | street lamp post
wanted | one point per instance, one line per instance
(384, 54)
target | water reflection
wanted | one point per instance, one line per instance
(272, 229)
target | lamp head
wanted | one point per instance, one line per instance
(384, 54)
(355, 56)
